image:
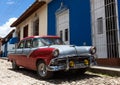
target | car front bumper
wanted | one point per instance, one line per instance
(70, 63)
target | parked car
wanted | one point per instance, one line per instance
(47, 54)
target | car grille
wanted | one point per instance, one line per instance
(78, 61)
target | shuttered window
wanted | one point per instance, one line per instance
(100, 25)
(25, 31)
(36, 27)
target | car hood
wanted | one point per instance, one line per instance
(71, 50)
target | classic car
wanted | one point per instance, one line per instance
(46, 54)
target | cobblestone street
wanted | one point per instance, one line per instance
(27, 77)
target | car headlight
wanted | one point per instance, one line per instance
(92, 50)
(55, 52)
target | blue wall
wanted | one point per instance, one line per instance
(80, 22)
(119, 11)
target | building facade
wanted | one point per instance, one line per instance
(70, 20)
(57, 17)
(79, 22)
(5, 46)
(33, 21)
(105, 30)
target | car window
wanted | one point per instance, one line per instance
(47, 41)
(58, 42)
(37, 42)
(52, 41)
(28, 43)
(21, 44)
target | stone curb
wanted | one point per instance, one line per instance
(4, 58)
(105, 70)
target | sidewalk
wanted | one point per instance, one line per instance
(112, 71)
(4, 58)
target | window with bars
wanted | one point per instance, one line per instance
(111, 29)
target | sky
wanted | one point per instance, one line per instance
(10, 10)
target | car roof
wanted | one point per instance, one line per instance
(47, 36)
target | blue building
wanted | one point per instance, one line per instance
(71, 20)
(118, 5)
(5, 46)
(68, 19)
(79, 22)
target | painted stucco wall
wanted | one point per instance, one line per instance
(80, 21)
(42, 15)
(98, 40)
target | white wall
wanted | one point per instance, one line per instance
(99, 40)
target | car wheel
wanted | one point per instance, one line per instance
(42, 70)
(14, 66)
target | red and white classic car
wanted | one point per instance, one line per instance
(47, 54)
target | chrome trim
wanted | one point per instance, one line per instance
(66, 65)
(59, 68)
(67, 62)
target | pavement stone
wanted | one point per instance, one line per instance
(27, 77)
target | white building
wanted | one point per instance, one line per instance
(105, 30)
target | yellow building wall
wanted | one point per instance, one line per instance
(42, 15)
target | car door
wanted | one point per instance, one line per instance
(23, 51)
(19, 53)
(31, 60)
(27, 48)
(26, 52)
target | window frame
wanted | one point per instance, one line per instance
(100, 25)
(25, 31)
(36, 24)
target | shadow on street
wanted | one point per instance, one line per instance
(58, 77)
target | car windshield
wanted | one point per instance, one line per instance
(52, 41)
(38, 42)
